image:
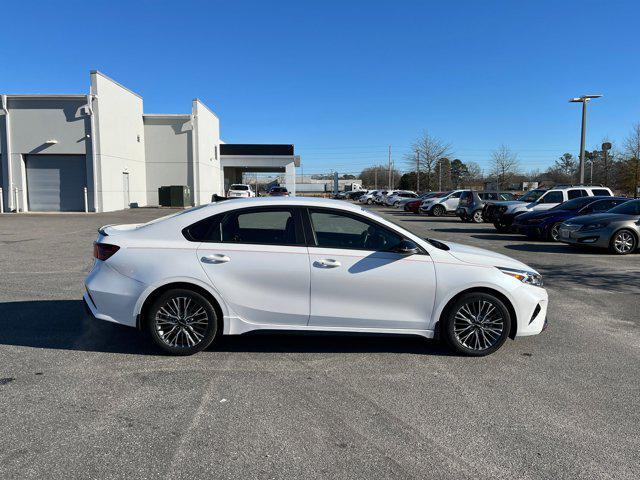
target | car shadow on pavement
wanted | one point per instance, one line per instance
(461, 230)
(288, 342)
(496, 236)
(625, 282)
(64, 325)
(549, 247)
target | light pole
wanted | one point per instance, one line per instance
(583, 99)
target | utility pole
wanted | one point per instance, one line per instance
(375, 178)
(583, 99)
(389, 184)
(591, 161)
(606, 146)
(439, 174)
(417, 171)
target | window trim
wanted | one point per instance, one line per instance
(295, 213)
(312, 241)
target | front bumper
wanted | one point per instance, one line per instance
(531, 310)
(594, 238)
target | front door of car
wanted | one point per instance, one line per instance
(258, 261)
(452, 201)
(358, 281)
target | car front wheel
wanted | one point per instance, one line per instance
(182, 322)
(554, 232)
(623, 242)
(477, 324)
(438, 211)
(477, 216)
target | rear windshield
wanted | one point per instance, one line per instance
(239, 187)
(627, 208)
(601, 192)
(278, 189)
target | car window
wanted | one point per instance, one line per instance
(552, 197)
(455, 195)
(575, 204)
(601, 206)
(576, 193)
(269, 226)
(342, 230)
(601, 192)
(627, 208)
(239, 187)
(506, 196)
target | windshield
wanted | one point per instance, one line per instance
(627, 208)
(532, 195)
(574, 204)
(239, 187)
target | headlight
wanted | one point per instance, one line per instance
(530, 278)
(594, 226)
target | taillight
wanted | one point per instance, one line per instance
(104, 251)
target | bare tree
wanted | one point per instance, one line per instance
(504, 165)
(427, 150)
(632, 151)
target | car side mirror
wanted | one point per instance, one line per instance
(407, 247)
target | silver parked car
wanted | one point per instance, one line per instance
(617, 229)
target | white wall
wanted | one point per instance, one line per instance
(119, 143)
(168, 149)
(206, 137)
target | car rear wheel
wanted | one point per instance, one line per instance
(477, 324)
(369, 201)
(182, 322)
(396, 204)
(437, 211)
(554, 232)
(477, 216)
(623, 242)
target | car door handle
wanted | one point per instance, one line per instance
(216, 258)
(327, 263)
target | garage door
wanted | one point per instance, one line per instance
(55, 183)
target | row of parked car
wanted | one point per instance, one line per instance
(573, 214)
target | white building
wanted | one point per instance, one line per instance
(100, 152)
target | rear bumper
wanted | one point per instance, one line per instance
(111, 296)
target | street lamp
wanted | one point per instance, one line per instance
(583, 99)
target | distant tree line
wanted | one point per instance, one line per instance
(429, 167)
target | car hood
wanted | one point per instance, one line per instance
(600, 217)
(480, 256)
(545, 214)
(505, 202)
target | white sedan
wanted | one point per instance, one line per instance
(307, 265)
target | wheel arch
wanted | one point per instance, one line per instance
(154, 292)
(628, 229)
(491, 291)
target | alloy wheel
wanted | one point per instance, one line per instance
(181, 322)
(624, 242)
(478, 325)
(554, 233)
(477, 216)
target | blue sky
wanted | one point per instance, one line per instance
(342, 80)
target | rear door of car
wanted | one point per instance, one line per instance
(258, 260)
(358, 281)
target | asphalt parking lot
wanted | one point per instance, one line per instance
(95, 400)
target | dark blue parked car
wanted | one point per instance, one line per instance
(545, 224)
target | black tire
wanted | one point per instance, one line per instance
(438, 211)
(553, 234)
(396, 204)
(476, 217)
(369, 201)
(500, 227)
(623, 242)
(192, 337)
(475, 337)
